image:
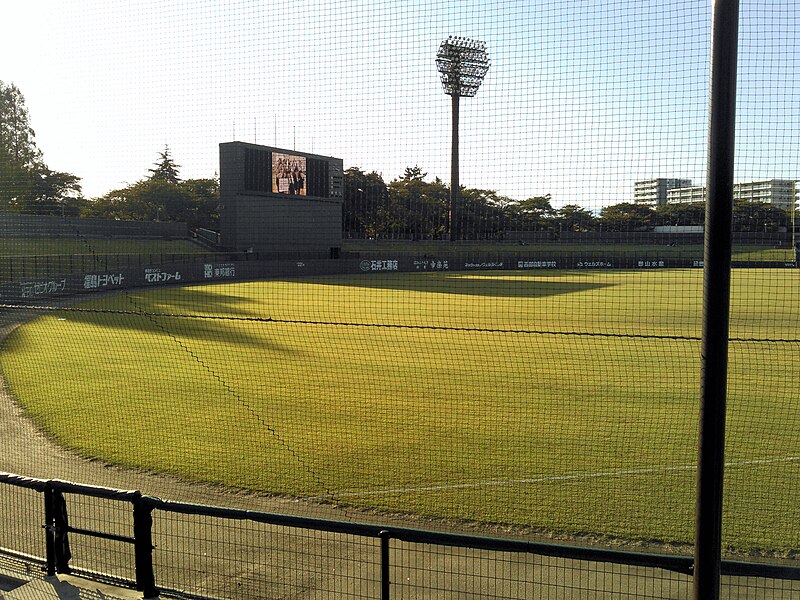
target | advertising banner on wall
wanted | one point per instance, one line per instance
(36, 289)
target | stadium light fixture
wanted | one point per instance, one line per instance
(462, 65)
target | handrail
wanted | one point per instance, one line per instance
(144, 507)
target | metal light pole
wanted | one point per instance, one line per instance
(462, 64)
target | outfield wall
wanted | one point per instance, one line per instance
(187, 271)
(12, 225)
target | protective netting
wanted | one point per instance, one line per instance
(308, 321)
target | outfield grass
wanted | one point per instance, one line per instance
(506, 406)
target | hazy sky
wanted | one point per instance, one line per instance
(582, 97)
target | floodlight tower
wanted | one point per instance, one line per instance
(462, 64)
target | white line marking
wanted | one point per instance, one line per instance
(641, 471)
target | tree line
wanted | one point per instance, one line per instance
(408, 207)
(29, 186)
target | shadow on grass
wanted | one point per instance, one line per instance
(508, 285)
(199, 313)
(194, 313)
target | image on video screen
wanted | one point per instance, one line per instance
(288, 174)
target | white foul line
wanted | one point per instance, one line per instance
(455, 486)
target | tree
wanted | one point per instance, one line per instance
(533, 214)
(413, 174)
(693, 213)
(27, 185)
(162, 197)
(165, 168)
(18, 152)
(194, 202)
(482, 216)
(17, 142)
(759, 216)
(366, 211)
(52, 192)
(626, 217)
(204, 194)
(419, 207)
(572, 217)
(15, 184)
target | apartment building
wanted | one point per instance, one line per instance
(780, 192)
(654, 191)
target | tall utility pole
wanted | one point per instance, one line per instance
(462, 64)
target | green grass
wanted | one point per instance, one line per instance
(502, 408)
(14, 246)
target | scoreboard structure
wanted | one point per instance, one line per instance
(276, 200)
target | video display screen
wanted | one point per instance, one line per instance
(289, 174)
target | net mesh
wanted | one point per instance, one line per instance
(309, 321)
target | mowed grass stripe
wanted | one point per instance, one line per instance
(320, 410)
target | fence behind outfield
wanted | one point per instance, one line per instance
(60, 277)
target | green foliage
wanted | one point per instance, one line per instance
(626, 217)
(366, 211)
(482, 214)
(27, 185)
(412, 208)
(54, 192)
(162, 197)
(680, 214)
(572, 217)
(420, 206)
(757, 217)
(534, 214)
(165, 169)
(17, 143)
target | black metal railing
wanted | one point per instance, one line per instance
(146, 510)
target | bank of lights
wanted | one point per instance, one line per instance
(462, 64)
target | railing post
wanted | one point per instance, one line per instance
(49, 533)
(56, 524)
(385, 583)
(143, 547)
(61, 523)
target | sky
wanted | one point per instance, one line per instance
(582, 97)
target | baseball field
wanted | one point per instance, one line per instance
(563, 401)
